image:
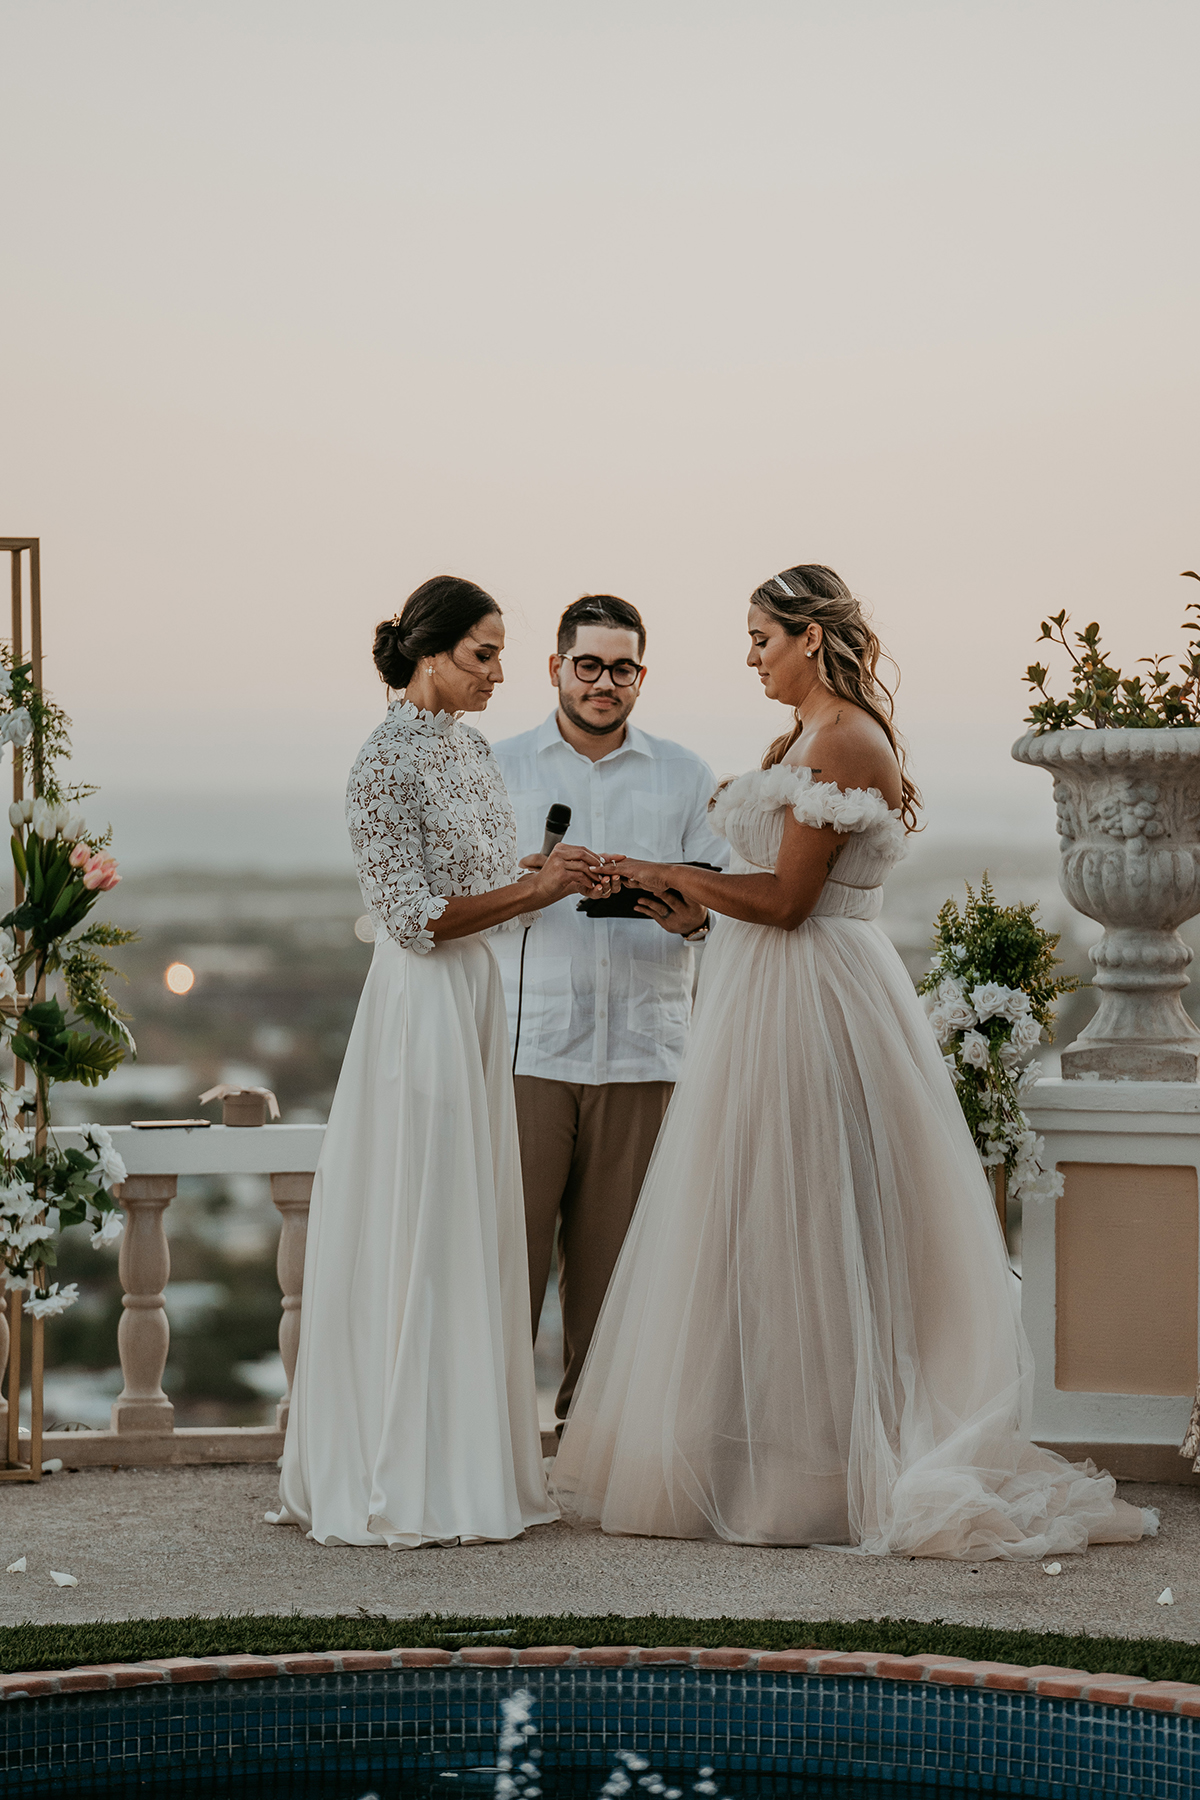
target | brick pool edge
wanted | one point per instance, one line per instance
(1054, 1683)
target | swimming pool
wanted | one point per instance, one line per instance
(426, 1723)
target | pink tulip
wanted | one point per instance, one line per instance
(101, 872)
(81, 855)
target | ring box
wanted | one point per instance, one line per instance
(243, 1105)
(249, 1107)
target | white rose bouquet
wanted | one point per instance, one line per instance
(42, 1191)
(990, 994)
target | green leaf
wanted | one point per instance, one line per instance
(111, 1023)
(57, 1054)
(87, 1058)
(106, 935)
(33, 863)
(45, 1016)
(84, 973)
(67, 897)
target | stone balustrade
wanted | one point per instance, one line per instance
(1109, 1297)
(143, 1420)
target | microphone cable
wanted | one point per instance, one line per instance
(558, 821)
(520, 997)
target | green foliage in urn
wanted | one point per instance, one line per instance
(1102, 697)
(990, 993)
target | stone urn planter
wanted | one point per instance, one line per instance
(1129, 831)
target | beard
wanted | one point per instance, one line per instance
(614, 721)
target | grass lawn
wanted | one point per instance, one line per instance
(67, 1646)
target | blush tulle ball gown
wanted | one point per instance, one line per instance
(813, 1335)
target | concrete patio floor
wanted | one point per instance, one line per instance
(147, 1543)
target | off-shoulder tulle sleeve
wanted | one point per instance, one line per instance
(767, 791)
(383, 811)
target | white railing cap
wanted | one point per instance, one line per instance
(212, 1150)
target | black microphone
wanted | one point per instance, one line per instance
(558, 821)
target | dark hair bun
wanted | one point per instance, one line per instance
(435, 617)
(394, 667)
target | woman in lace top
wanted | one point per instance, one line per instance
(413, 1416)
(813, 1335)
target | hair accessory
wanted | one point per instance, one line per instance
(780, 582)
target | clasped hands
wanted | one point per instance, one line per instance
(573, 869)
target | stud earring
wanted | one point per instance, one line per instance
(810, 653)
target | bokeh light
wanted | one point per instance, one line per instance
(180, 979)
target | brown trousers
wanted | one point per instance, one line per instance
(584, 1152)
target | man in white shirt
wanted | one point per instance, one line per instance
(604, 1003)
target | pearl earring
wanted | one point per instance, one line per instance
(809, 653)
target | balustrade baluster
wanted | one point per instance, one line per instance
(3, 1363)
(13, 1419)
(144, 1336)
(291, 1194)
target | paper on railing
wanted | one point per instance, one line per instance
(226, 1092)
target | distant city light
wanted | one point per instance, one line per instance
(180, 979)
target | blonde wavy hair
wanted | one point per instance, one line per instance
(847, 661)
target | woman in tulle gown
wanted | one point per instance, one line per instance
(414, 1412)
(813, 1335)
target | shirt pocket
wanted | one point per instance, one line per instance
(658, 822)
(660, 1000)
(548, 994)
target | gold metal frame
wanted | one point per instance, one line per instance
(13, 1468)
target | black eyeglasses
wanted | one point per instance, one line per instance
(590, 668)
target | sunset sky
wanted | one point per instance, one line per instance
(304, 302)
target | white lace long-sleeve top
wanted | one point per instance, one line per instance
(429, 818)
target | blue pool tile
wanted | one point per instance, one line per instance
(983, 1742)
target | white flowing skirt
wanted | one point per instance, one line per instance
(413, 1416)
(813, 1334)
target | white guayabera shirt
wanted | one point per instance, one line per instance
(605, 999)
